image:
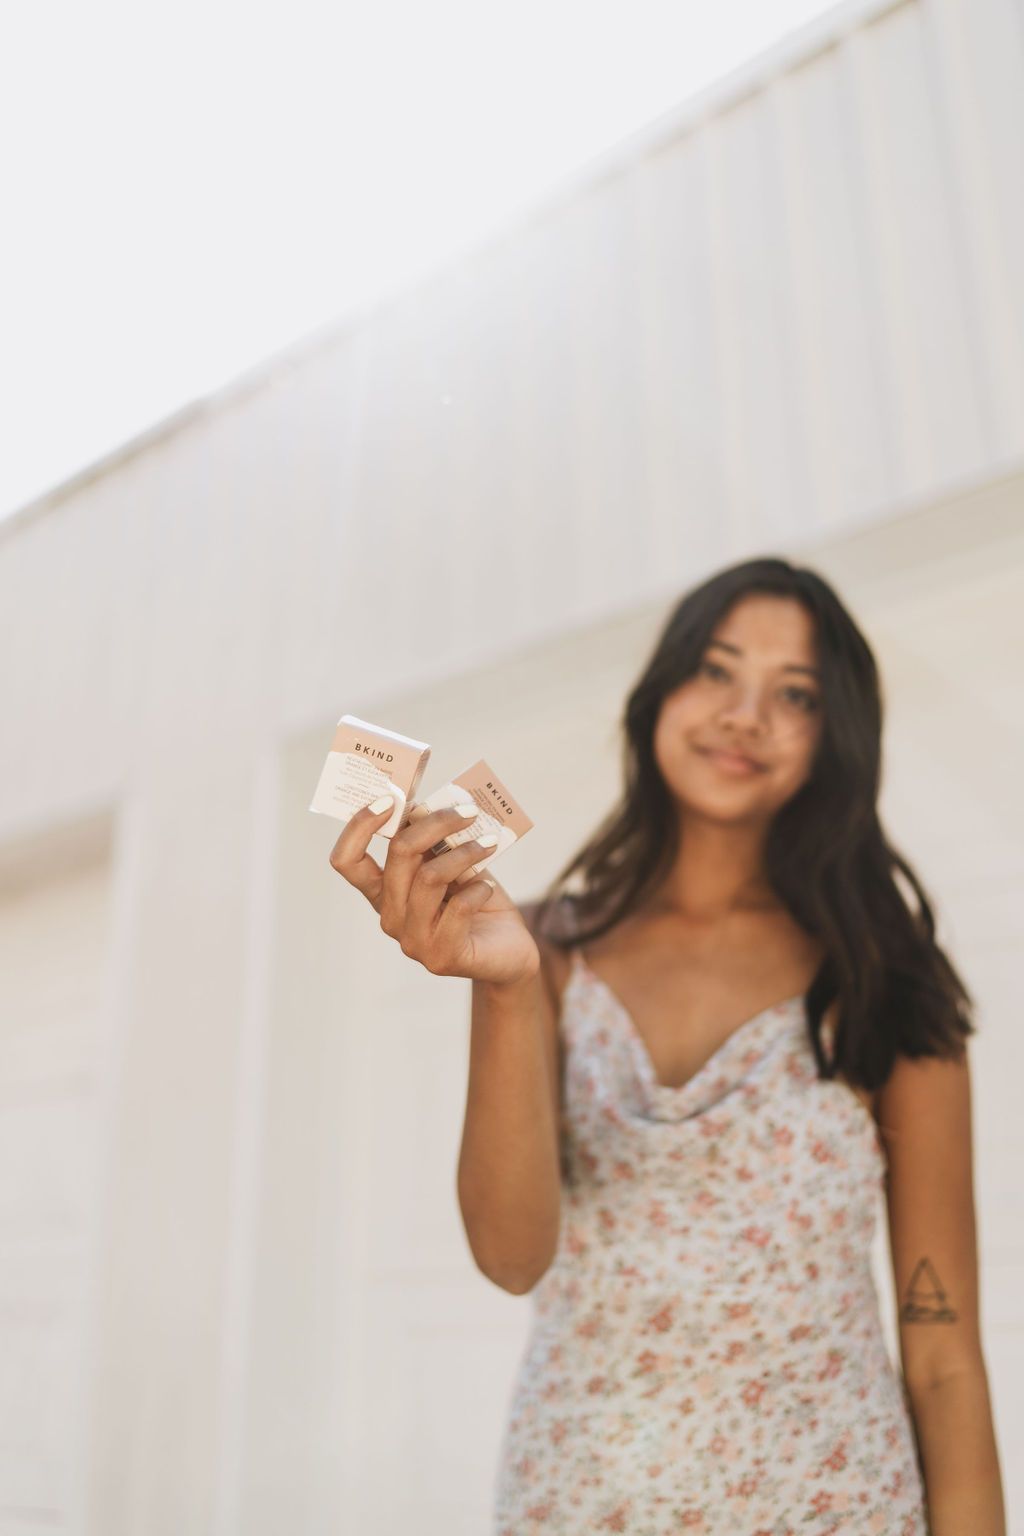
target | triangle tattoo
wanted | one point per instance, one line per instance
(925, 1300)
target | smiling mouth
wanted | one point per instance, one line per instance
(732, 760)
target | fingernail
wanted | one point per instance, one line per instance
(490, 841)
(381, 804)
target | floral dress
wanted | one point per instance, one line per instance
(705, 1353)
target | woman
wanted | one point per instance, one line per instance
(747, 1033)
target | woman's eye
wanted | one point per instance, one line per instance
(806, 699)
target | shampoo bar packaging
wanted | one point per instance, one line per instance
(497, 812)
(366, 761)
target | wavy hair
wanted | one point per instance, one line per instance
(826, 856)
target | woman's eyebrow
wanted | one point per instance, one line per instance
(789, 667)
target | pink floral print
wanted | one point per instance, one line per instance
(705, 1353)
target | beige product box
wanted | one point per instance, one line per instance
(498, 813)
(366, 761)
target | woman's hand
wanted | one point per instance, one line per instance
(473, 930)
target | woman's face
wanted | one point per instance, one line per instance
(755, 692)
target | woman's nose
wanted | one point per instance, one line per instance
(746, 706)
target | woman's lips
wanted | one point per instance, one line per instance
(730, 763)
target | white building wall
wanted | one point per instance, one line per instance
(791, 320)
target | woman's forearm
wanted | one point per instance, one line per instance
(959, 1460)
(509, 1178)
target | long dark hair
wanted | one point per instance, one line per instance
(826, 856)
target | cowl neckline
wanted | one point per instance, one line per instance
(723, 1071)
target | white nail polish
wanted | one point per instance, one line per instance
(496, 813)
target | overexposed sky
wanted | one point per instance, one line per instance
(188, 188)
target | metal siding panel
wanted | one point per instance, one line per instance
(768, 490)
(530, 553)
(459, 408)
(978, 67)
(402, 550)
(509, 493)
(611, 433)
(431, 341)
(679, 378)
(325, 431)
(928, 354)
(846, 439)
(549, 581)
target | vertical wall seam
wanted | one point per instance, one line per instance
(953, 202)
(854, 155)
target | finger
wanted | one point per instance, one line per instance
(434, 882)
(407, 856)
(350, 858)
(416, 814)
(455, 920)
(484, 885)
